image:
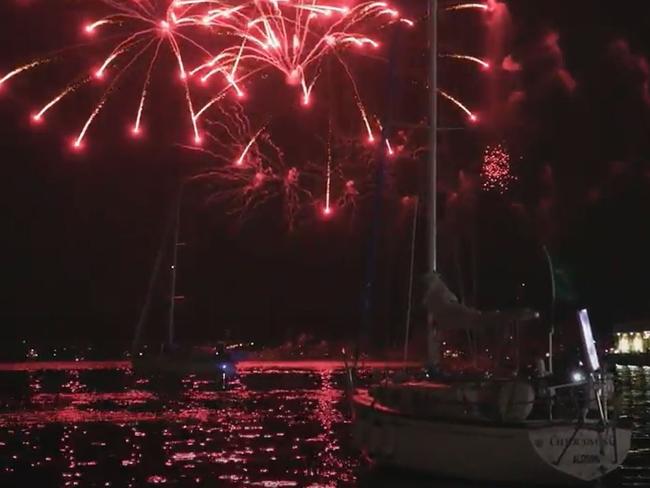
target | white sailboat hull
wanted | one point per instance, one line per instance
(530, 453)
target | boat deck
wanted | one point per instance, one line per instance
(364, 400)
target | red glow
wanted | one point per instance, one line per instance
(327, 211)
(36, 119)
(136, 131)
(473, 118)
(77, 146)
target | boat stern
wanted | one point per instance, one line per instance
(583, 453)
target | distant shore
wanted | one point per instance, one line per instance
(316, 364)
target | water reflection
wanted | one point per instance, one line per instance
(273, 427)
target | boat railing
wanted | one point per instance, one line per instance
(584, 401)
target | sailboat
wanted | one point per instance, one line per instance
(530, 429)
(515, 428)
(214, 361)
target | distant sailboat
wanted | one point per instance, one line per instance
(172, 358)
(513, 429)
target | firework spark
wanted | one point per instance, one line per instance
(293, 37)
(248, 169)
(473, 59)
(470, 115)
(484, 64)
(465, 6)
(349, 197)
(496, 172)
(137, 30)
(235, 42)
(214, 51)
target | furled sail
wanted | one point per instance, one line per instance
(450, 314)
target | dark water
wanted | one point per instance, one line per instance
(274, 427)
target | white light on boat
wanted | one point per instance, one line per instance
(578, 376)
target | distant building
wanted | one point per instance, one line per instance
(632, 340)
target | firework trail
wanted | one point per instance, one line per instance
(473, 59)
(137, 31)
(235, 41)
(466, 6)
(293, 38)
(214, 51)
(248, 169)
(484, 64)
(470, 115)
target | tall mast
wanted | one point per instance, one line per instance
(144, 312)
(176, 244)
(432, 179)
(433, 341)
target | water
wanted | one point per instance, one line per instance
(99, 425)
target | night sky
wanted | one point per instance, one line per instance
(568, 95)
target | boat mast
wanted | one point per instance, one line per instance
(172, 298)
(551, 331)
(433, 341)
(144, 312)
(432, 241)
(409, 303)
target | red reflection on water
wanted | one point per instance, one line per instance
(275, 427)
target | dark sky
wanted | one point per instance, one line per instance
(569, 95)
